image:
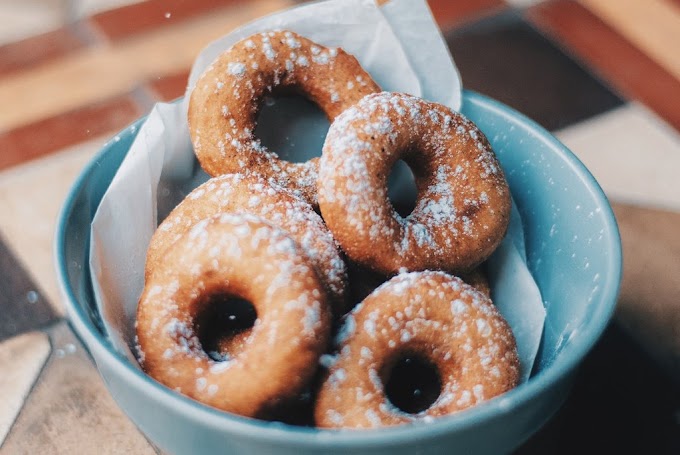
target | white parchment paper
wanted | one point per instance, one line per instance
(399, 45)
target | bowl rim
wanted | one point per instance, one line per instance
(275, 432)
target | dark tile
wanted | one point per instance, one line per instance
(610, 55)
(621, 402)
(504, 57)
(37, 50)
(170, 86)
(45, 136)
(22, 305)
(449, 13)
(146, 16)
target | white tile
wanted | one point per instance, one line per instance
(83, 8)
(634, 155)
(21, 359)
(523, 3)
(28, 228)
(21, 19)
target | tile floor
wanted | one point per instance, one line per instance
(604, 76)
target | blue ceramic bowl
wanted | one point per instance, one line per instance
(573, 251)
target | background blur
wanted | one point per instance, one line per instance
(603, 75)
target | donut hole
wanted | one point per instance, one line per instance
(223, 325)
(413, 383)
(401, 188)
(292, 126)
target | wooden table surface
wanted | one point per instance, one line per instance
(604, 76)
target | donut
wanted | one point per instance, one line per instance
(226, 100)
(239, 193)
(463, 204)
(363, 281)
(431, 316)
(241, 257)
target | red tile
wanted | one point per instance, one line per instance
(39, 49)
(615, 59)
(170, 86)
(151, 14)
(45, 136)
(451, 12)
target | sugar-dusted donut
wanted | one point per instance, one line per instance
(225, 103)
(243, 257)
(463, 204)
(432, 316)
(362, 281)
(239, 193)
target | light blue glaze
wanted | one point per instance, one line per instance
(574, 254)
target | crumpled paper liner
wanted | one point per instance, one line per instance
(400, 45)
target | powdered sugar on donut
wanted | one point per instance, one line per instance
(239, 193)
(452, 325)
(463, 204)
(225, 103)
(243, 256)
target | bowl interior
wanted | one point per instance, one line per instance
(572, 240)
(573, 246)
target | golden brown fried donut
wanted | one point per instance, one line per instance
(239, 193)
(463, 205)
(362, 281)
(225, 103)
(431, 315)
(247, 258)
